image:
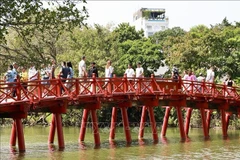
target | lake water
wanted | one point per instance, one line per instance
(170, 148)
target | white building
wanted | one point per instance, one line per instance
(151, 20)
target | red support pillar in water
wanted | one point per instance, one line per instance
(83, 125)
(208, 119)
(165, 121)
(95, 128)
(126, 124)
(142, 123)
(224, 125)
(180, 123)
(52, 130)
(20, 135)
(188, 118)
(13, 136)
(204, 123)
(153, 124)
(59, 131)
(113, 124)
(227, 120)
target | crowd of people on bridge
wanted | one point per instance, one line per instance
(47, 72)
(190, 76)
(66, 72)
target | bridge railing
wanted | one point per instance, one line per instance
(34, 91)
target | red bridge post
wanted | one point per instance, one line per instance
(52, 130)
(223, 108)
(83, 125)
(142, 123)
(165, 121)
(123, 106)
(13, 137)
(187, 121)
(204, 123)
(227, 119)
(224, 124)
(59, 131)
(153, 124)
(208, 119)
(180, 122)
(126, 124)
(20, 135)
(95, 128)
(113, 124)
(202, 106)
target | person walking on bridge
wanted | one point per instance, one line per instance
(210, 75)
(139, 70)
(130, 72)
(109, 70)
(82, 68)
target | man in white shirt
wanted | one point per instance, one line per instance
(139, 70)
(130, 72)
(210, 75)
(82, 68)
(32, 73)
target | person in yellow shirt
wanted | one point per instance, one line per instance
(24, 77)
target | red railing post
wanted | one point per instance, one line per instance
(152, 83)
(77, 87)
(203, 85)
(39, 87)
(58, 87)
(93, 85)
(180, 83)
(18, 89)
(125, 83)
(110, 85)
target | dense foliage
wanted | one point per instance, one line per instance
(29, 30)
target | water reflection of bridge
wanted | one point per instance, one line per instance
(56, 97)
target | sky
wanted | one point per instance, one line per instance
(184, 14)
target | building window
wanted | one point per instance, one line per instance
(150, 34)
(149, 27)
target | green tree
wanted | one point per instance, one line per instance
(22, 13)
(30, 29)
(126, 32)
(96, 43)
(133, 51)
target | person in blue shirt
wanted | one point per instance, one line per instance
(10, 76)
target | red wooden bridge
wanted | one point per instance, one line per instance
(56, 97)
